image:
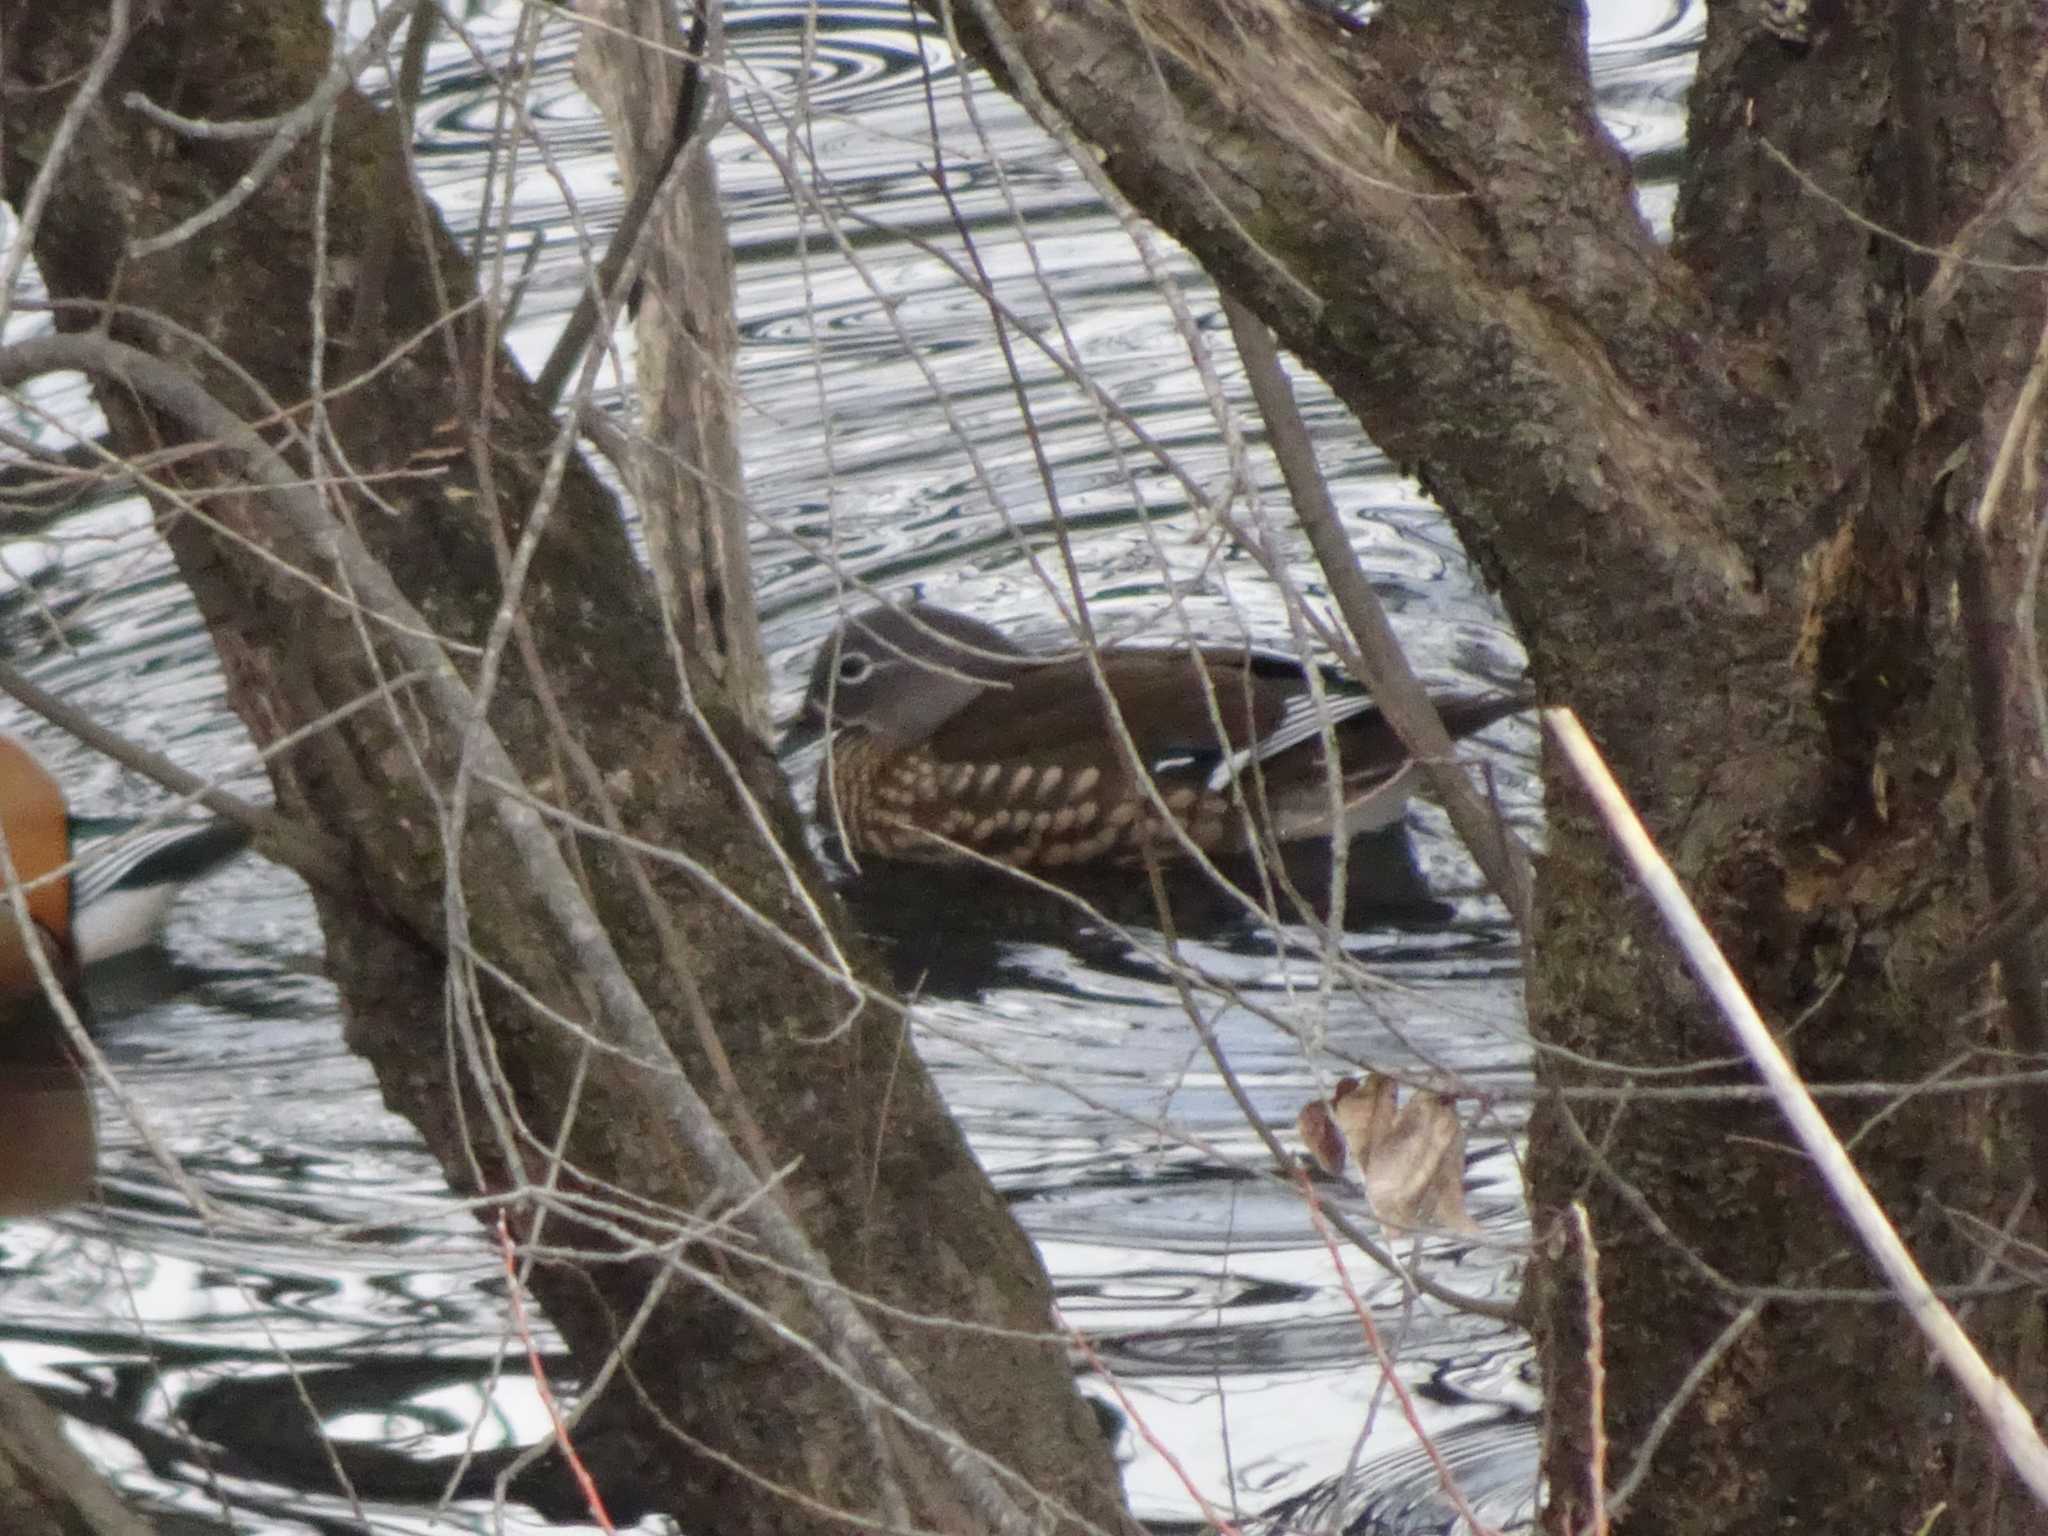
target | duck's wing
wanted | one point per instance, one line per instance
(1173, 701)
(1055, 707)
(1365, 743)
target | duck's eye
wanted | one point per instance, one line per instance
(854, 668)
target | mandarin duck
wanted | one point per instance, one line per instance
(948, 742)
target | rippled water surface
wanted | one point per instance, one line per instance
(882, 424)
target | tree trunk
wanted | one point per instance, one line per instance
(1727, 491)
(479, 1012)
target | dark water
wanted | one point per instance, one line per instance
(881, 423)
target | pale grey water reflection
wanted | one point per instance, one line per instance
(880, 421)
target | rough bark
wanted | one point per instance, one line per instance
(436, 451)
(1724, 490)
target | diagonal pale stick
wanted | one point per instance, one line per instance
(2009, 1420)
(1380, 662)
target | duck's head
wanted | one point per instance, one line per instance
(900, 673)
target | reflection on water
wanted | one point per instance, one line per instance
(330, 1284)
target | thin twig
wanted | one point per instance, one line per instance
(1393, 1377)
(1210, 1512)
(515, 1291)
(2019, 429)
(1660, 1426)
(1943, 253)
(1596, 1369)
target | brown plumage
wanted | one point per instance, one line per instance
(949, 742)
(47, 1149)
